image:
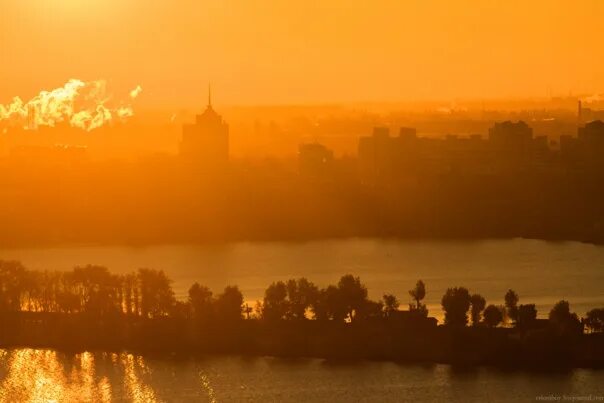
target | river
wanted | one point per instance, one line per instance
(49, 376)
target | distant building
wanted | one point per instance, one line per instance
(511, 136)
(375, 155)
(592, 132)
(588, 114)
(384, 158)
(314, 159)
(206, 142)
(590, 145)
(586, 149)
(514, 148)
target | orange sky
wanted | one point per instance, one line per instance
(290, 51)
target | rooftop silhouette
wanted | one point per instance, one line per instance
(206, 142)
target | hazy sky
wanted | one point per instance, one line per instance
(293, 51)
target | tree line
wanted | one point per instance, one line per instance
(147, 293)
(458, 301)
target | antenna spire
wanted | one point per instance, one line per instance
(209, 95)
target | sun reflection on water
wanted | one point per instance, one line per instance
(29, 375)
(34, 376)
(136, 389)
(205, 383)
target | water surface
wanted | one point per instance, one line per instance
(49, 376)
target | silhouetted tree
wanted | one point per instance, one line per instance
(390, 303)
(33, 294)
(136, 296)
(478, 304)
(12, 280)
(67, 298)
(258, 309)
(418, 293)
(275, 304)
(329, 305)
(247, 311)
(563, 320)
(30, 293)
(201, 302)
(302, 295)
(527, 314)
(353, 294)
(156, 295)
(229, 304)
(595, 320)
(560, 312)
(493, 315)
(511, 305)
(129, 284)
(97, 290)
(456, 303)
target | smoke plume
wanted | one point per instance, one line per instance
(85, 105)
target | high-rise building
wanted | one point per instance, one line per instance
(585, 151)
(511, 136)
(592, 132)
(206, 142)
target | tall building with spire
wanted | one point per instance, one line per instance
(206, 142)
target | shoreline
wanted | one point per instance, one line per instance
(333, 360)
(536, 348)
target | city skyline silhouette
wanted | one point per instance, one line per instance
(287, 201)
